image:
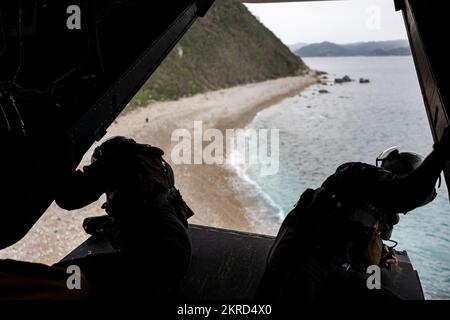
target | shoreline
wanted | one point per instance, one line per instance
(216, 193)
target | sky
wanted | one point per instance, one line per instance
(336, 21)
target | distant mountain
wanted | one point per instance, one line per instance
(324, 49)
(374, 48)
(297, 46)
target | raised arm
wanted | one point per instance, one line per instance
(386, 191)
(403, 194)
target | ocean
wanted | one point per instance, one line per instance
(355, 122)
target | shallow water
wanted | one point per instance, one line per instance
(355, 122)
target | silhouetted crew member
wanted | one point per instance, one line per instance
(334, 233)
(146, 222)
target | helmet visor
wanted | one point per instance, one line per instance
(386, 154)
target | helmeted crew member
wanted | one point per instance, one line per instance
(328, 241)
(147, 218)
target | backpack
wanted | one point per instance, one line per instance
(162, 174)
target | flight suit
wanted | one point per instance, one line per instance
(328, 240)
(148, 221)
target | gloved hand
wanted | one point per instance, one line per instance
(388, 257)
(443, 146)
(97, 225)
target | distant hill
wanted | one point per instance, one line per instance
(227, 47)
(374, 48)
(297, 46)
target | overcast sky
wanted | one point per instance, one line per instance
(335, 21)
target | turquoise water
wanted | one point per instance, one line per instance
(355, 122)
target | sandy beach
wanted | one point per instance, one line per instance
(216, 193)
